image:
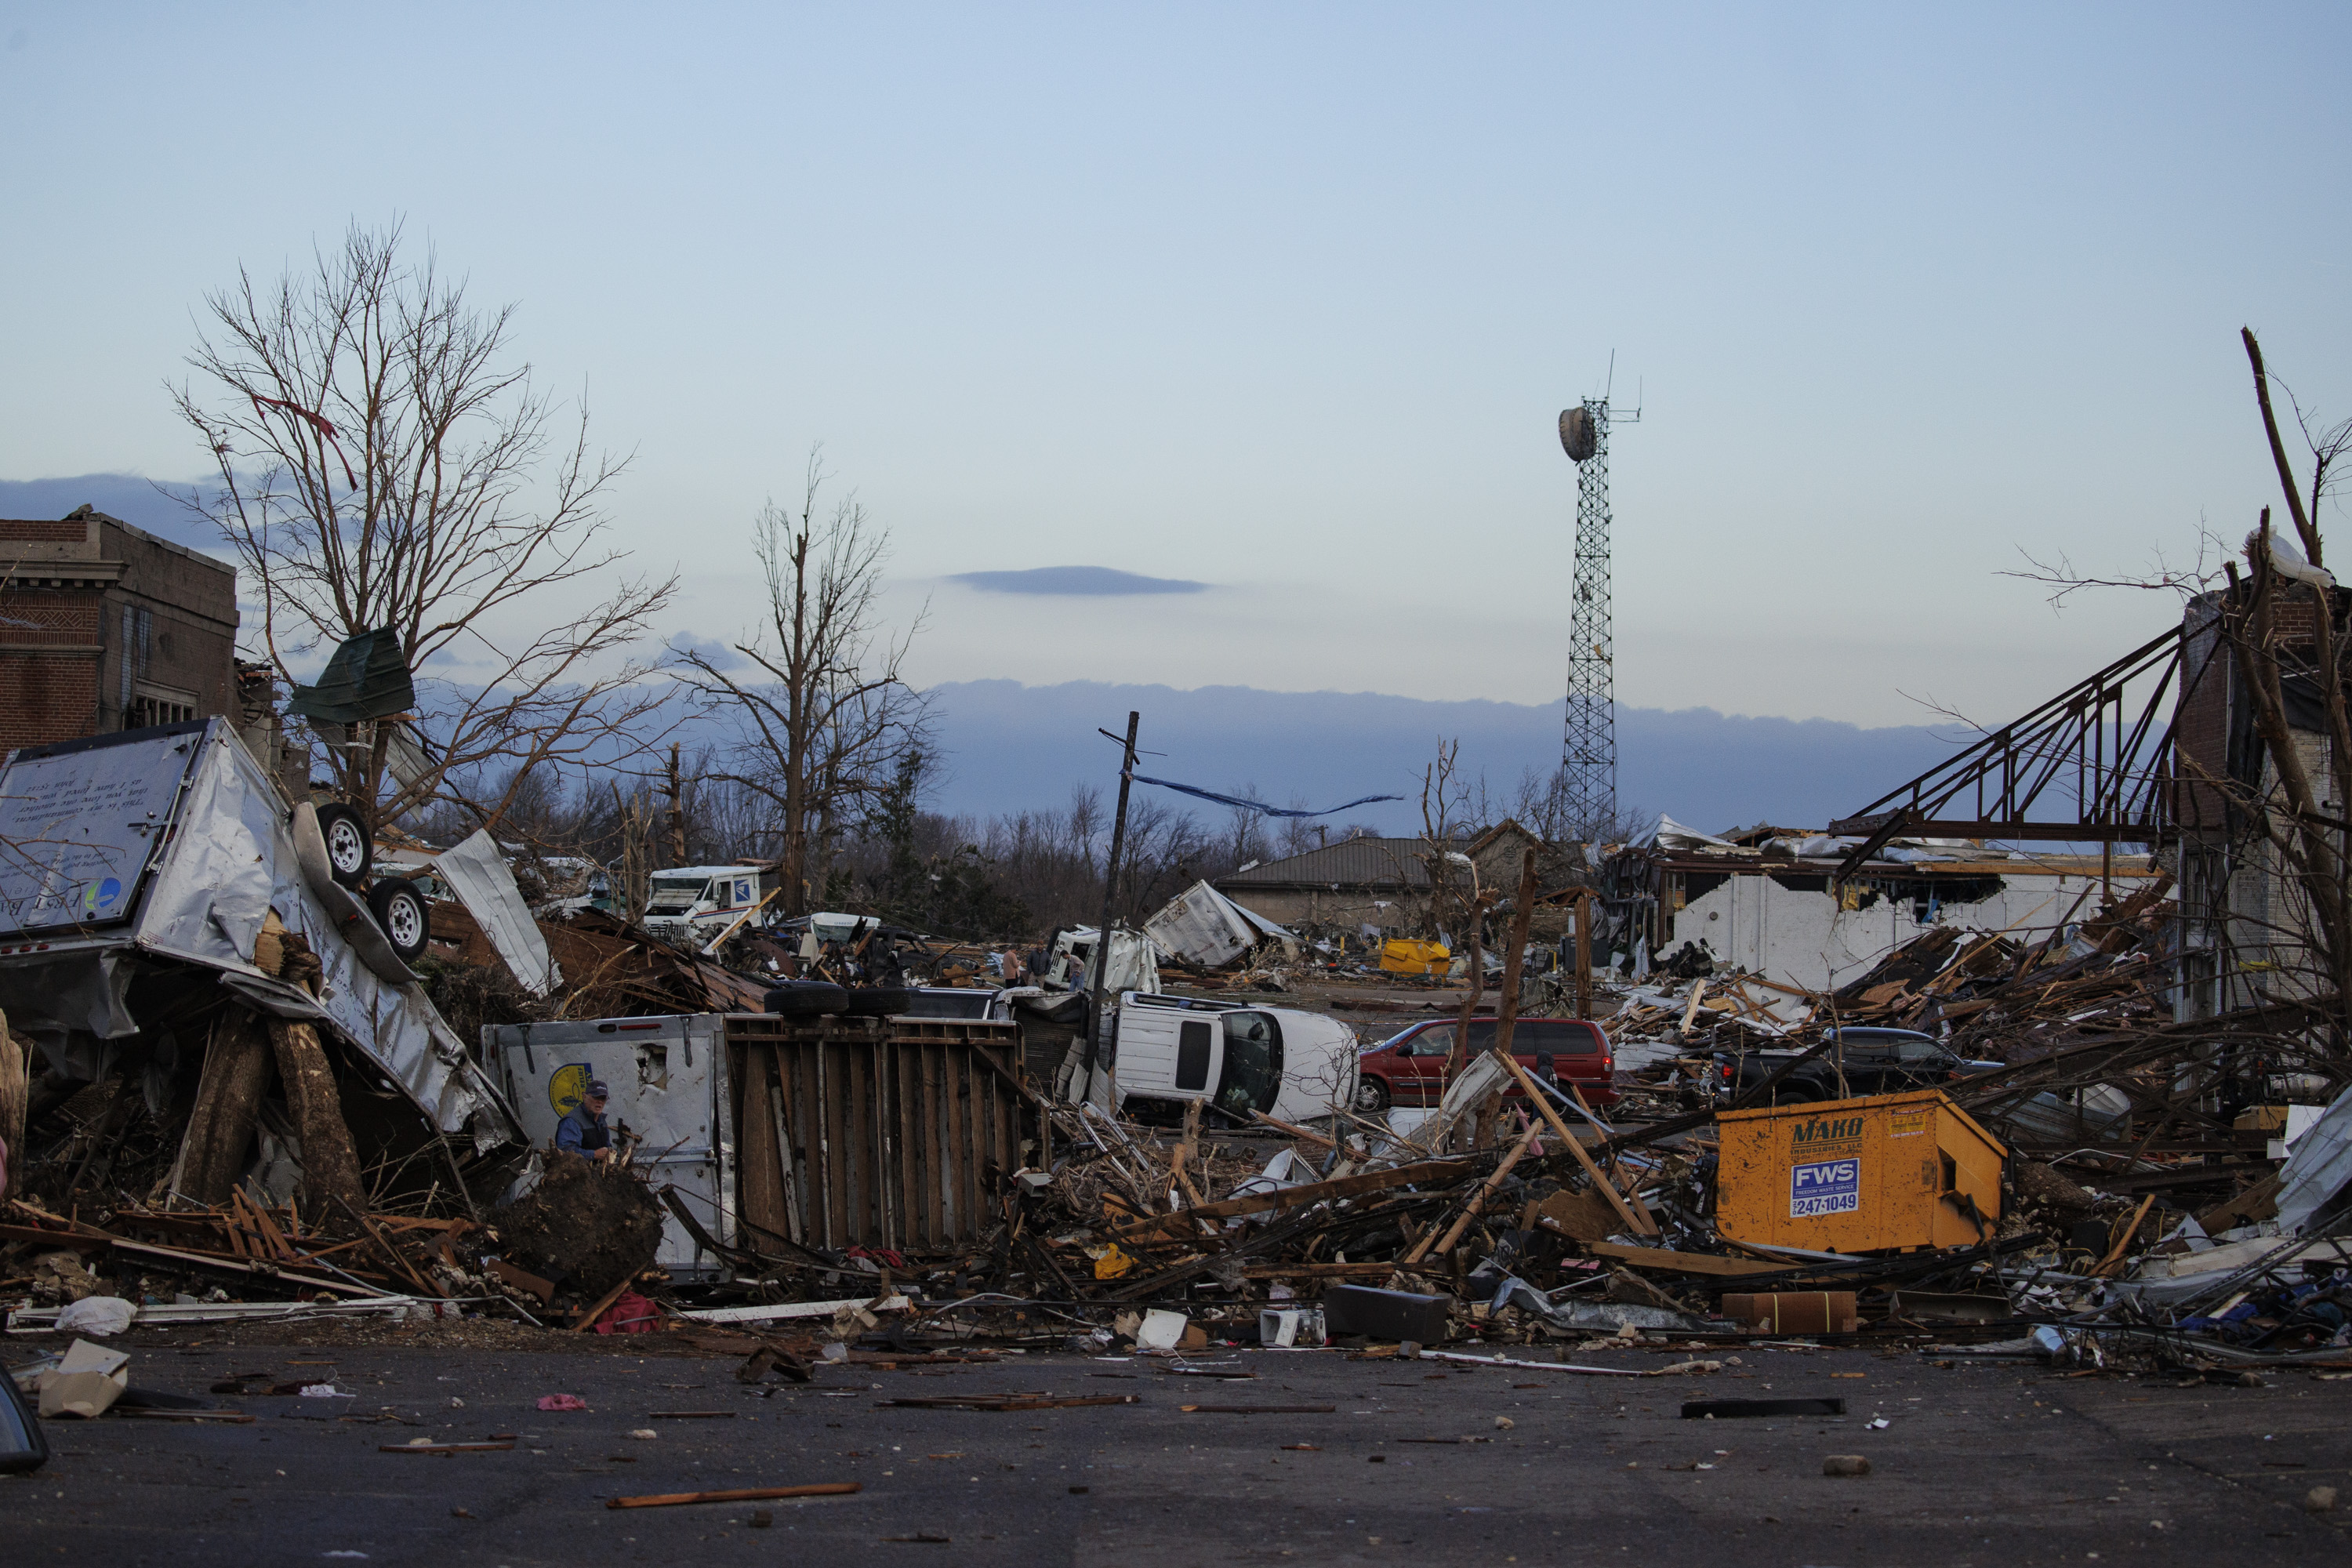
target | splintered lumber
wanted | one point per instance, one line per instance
(1316, 1271)
(398, 1259)
(741, 1494)
(587, 1318)
(1301, 1133)
(1478, 1200)
(1295, 1197)
(140, 1252)
(2115, 1253)
(1684, 1262)
(443, 1447)
(1640, 1224)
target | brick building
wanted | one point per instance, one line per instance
(104, 626)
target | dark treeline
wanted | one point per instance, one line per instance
(1014, 875)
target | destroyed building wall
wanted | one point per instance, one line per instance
(2244, 931)
(1787, 923)
(104, 626)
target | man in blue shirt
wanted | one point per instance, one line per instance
(583, 1131)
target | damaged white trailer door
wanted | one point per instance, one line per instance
(1204, 927)
(668, 1082)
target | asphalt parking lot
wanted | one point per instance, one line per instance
(2004, 1463)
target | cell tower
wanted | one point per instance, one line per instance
(1588, 758)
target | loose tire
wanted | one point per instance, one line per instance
(1372, 1096)
(805, 999)
(349, 853)
(399, 910)
(878, 1001)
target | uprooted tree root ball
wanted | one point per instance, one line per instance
(588, 1227)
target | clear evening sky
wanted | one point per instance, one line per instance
(1284, 299)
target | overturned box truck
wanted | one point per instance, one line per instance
(140, 873)
(765, 1135)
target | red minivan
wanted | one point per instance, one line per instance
(1409, 1069)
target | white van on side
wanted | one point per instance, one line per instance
(1288, 1064)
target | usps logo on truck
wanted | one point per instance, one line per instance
(1827, 1186)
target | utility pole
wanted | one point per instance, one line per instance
(676, 810)
(1110, 891)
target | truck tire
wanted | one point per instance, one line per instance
(877, 1001)
(805, 999)
(349, 853)
(1373, 1096)
(400, 914)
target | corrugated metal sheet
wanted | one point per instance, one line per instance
(366, 678)
(477, 873)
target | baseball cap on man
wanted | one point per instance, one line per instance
(597, 1091)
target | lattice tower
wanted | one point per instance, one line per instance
(1588, 761)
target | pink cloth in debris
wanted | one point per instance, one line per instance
(561, 1402)
(631, 1314)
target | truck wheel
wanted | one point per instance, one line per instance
(399, 909)
(805, 999)
(1372, 1096)
(349, 852)
(878, 1001)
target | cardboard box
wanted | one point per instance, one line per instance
(87, 1380)
(1793, 1312)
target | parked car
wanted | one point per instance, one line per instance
(1284, 1062)
(1410, 1069)
(1876, 1061)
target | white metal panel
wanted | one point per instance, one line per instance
(478, 874)
(667, 1077)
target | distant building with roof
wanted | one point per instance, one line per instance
(1380, 882)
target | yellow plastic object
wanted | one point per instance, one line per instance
(1887, 1174)
(1402, 955)
(1110, 1262)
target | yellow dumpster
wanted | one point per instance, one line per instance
(1887, 1174)
(1400, 955)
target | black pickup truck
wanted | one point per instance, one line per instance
(1876, 1061)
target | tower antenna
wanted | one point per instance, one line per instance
(1589, 754)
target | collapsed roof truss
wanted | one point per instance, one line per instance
(2096, 756)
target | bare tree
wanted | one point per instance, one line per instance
(1540, 805)
(385, 462)
(820, 716)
